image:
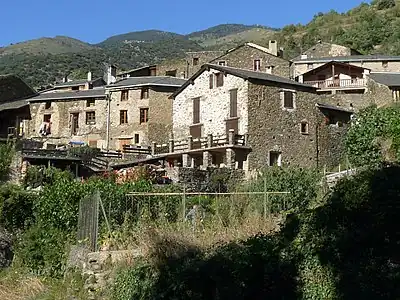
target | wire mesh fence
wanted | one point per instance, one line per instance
(175, 207)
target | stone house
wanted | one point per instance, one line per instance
(14, 107)
(254, 57)
(76, 85)
(385, 86)
(283, 122)
(323, 49)
(73, 116)
(376, 63)
(140, 110)
(138, 72)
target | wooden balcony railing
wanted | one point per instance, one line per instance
(338, 83)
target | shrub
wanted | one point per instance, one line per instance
(6, 155)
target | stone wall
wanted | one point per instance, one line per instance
(159, 125)
(60, 112)
(203, 58)
(243, 57)
(211, 180)
(274, 128)
(214, 106)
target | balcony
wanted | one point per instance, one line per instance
(339, 84)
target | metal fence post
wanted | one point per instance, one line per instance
(184, 203)
(265, 199)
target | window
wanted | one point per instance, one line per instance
(136, 138)
(171, 73)
(304, 127)
(47, 118)
(275, 159)
(220, 79)
(75, 88)
(124, 95)
(144, 93)
(257, 65)
(222, 63)
(288, 99)
(233, 103)
(195, 61)
(74, 123)
(385, 64)
(269, 69)
(47, 105)
(90, 102)
(310, 66)
(123, 117)
(90, 118)
(144, 115)
(153, 71)
(196, 110)
(211, 80)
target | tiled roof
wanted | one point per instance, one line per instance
(389, 79)
(148, 81)
(349, 58)
(93, 93)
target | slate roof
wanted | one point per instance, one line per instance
(14, 92)
(134, 70)
(148, 81)
(93, 93)
(333, 63)
(71, 83)
(246, 74)
(13, 104)
(14, 88)
(333, 107)
(349, 58)
(386, 78)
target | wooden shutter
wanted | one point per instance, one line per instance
(220, 79)
(195, 131)
(233, 103)
(232, 124)
(288, 99)
(211, 79)
(196, 110)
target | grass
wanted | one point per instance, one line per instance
(14, 286)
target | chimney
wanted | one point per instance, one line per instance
(89, 76)
(273, 48)
(280, 53)
(183, 75)
(110, 75)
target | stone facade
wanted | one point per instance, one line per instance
(295, 136)
(61, 113)
(280, 131)
(243, 57)
(157, 128)
(323, 49)
(195, 60)
(214, 106)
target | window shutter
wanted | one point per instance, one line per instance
(233, 103)
(211, 81)
(196, 110)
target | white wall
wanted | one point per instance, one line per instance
(214, 105)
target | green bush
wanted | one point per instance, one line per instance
(16, 207)
(6, 155)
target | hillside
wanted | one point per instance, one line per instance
(369, 28)
(43, 46)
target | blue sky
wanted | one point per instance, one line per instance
(95, 20)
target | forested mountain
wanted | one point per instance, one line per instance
(369, 28)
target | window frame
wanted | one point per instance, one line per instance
(283, 99)
(123, 117)
(306, 128)
(257, 65)
(144, 93)
(136, 138)
(90, 120)
(143, 115)
(124, 95)
(90, 102)
(47, 105)
(196, 61)
(278, 161)
(219, 79)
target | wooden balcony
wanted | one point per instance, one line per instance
(338, 84)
